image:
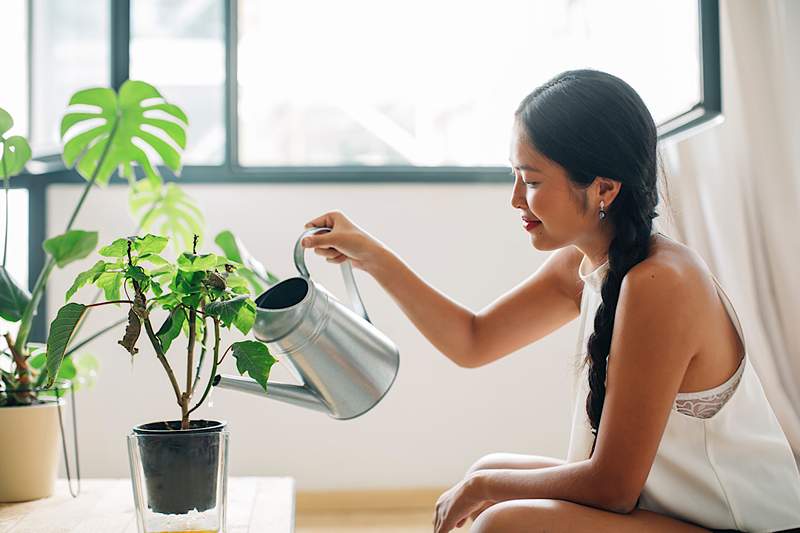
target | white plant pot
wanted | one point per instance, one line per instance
(29, 451)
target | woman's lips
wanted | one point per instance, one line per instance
(529, 224)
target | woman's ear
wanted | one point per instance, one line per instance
(607, 190)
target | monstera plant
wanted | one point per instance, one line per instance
(103, 132)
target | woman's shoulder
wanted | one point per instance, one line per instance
(673, 264)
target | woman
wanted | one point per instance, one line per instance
(672, 433)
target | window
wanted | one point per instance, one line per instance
(14, 41)
(70, 52)
(180, 48)
(422, 83)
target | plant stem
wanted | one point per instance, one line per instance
(203, 349)
(21, 362)
(223, 355)
(99, 292)
(109, 302)
(44, 275)
(148, 327)
(187, 395)
(213, 367)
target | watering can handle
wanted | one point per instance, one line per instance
(347, 273)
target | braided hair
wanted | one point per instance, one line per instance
(594, 124)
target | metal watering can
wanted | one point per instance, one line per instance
(346, 365)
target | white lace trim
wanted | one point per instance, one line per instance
(705, 404)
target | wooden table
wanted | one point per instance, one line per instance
(255, 505)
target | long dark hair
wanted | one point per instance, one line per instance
(594, 124)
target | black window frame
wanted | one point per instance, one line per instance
(49, 170)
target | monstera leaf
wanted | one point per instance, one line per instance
(111, 134)
(167, 210)
(15, 150)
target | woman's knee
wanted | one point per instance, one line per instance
(514, 515)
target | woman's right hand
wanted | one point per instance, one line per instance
(345, 241)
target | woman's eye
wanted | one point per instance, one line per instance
(531, 183)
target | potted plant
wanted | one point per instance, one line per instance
(98, 131)
(178, 465)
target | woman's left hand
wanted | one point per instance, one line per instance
(455, 506)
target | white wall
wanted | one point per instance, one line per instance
(438, 418)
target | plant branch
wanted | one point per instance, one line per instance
(99, 292)
(203, 350)
(44, 275)
(110, 302)
(190, 350)
(223, 355)
(148, 327)
(213, 367)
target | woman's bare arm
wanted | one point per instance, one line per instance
(533, 309)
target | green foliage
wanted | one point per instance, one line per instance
(71, 246)
(15, 152)
(168, 210)
(207, 287)
(105, 138)
(13, 297)
(171, 327)
(253, 357)
(61, 330)
(252, 271)
(239, 311)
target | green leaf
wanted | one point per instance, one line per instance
(234, 249)
(86, 367)
(13, 297)
(171, 328)
(246, 317)
(111, 283)
(130, 115)
(6, 122)
(196, 263)
(239, 311)
(168, 209)
(15, 154)
(61, 330)
(253, 357)
(150, 244)
(67, 370)
(118, 248)
(38, 361)
(88, 276)
(71, 246)
(155, 259)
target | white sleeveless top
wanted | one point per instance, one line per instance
(723, 461)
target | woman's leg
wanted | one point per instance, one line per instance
(518, 516)
(513, 460)
(510, 461)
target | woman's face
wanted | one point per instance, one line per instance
(542, 192)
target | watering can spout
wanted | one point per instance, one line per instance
(284, 392)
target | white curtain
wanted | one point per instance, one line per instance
(735, 191)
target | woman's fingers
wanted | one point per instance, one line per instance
(327, 252)
(328, 220)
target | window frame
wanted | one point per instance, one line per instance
(47, 170)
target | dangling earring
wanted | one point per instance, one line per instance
(602, 210)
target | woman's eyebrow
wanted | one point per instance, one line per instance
(524, 167)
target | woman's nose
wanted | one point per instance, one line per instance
(517, 199)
